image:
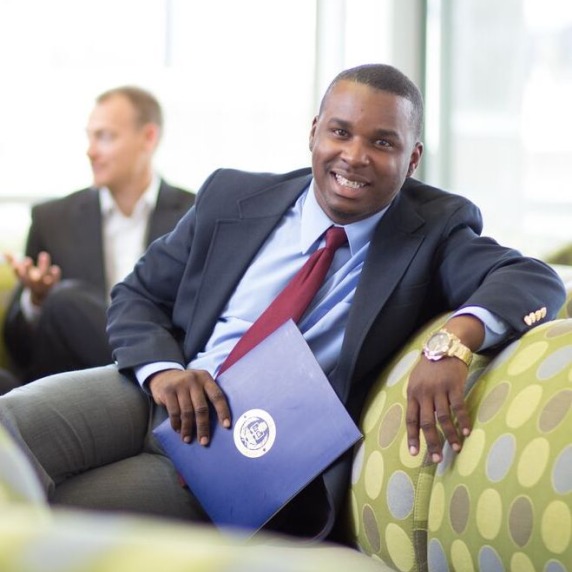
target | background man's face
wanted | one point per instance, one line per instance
(118, 147)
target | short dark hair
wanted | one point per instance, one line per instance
(385, 78)
(147, 108)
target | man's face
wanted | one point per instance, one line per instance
(119, 150)
(363, 147)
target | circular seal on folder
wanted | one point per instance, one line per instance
(254, 433)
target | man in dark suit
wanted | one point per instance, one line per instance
(80, 245)
(7, 381)
(413, 252)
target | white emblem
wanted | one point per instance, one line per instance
(254, 433)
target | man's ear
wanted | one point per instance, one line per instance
(312, 132)
(151, 134)
(415, 158)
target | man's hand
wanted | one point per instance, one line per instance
(435, 394)
(38, 279)
(186, 395)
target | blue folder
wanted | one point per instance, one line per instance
(288, 425)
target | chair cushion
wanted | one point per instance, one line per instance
(566, 310)
(390, 489)
(7, 284)
(505, 501)
(36, 539)
(410, 513)
(18, 482)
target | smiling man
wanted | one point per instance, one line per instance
(82, 244)
(412, 252)
(360, 165)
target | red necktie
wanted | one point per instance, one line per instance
(293, 300)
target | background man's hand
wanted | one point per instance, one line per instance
(38, 279)
(186, 395)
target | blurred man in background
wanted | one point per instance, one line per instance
(79, 246)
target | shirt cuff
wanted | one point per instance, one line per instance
(142, 373)
(496, 329)
(29, 309)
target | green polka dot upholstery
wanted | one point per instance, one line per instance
(389, 492)
(18, 483)
(7, 284)
(505, 501)
(566, 310)
(36, 538)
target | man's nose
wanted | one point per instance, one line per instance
(355, 152)
(91, 150)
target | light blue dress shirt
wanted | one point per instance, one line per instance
(323, 324)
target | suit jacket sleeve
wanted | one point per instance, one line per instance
(475, 270)
(140, 317)
(427, 258)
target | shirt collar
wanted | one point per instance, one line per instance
(315, 222)
(147, 200)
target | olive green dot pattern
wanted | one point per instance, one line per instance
(7, 284)
(18, 483)
(503, 503)
(566, 310)
(390, 489)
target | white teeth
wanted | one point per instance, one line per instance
(347, 183)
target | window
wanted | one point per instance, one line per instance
(499, 83)
(239, 82)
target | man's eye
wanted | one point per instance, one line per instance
(382, 143)
(340, 132)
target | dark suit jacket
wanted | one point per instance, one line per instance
(70, 230)
(426, 257)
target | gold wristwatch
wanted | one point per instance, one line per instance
(443, 343)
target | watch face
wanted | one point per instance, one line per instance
(438, 343)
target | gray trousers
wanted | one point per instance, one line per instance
(87, 434)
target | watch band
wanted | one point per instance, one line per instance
(460, 350)
(452, 348)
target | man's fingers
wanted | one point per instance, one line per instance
(35, 274)
(10, 258)
(181, 413)
(444, 416)
(412, 425)
(428, 424)
(188, 395)
(436, 406)
(462, 415)
(201, 414)
(425, 417)
(187, 417)
(21, 268)
(218, 399)
(44, 262)
(55, 273)
(171, 403)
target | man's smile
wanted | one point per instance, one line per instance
(348, 183)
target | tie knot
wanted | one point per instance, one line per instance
(335, 237)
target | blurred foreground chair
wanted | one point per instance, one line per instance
(503, 503)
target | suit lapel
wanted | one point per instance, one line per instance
(167, 211)
(234, 244)
(396, 240)
(236, 241)
(86, 219)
